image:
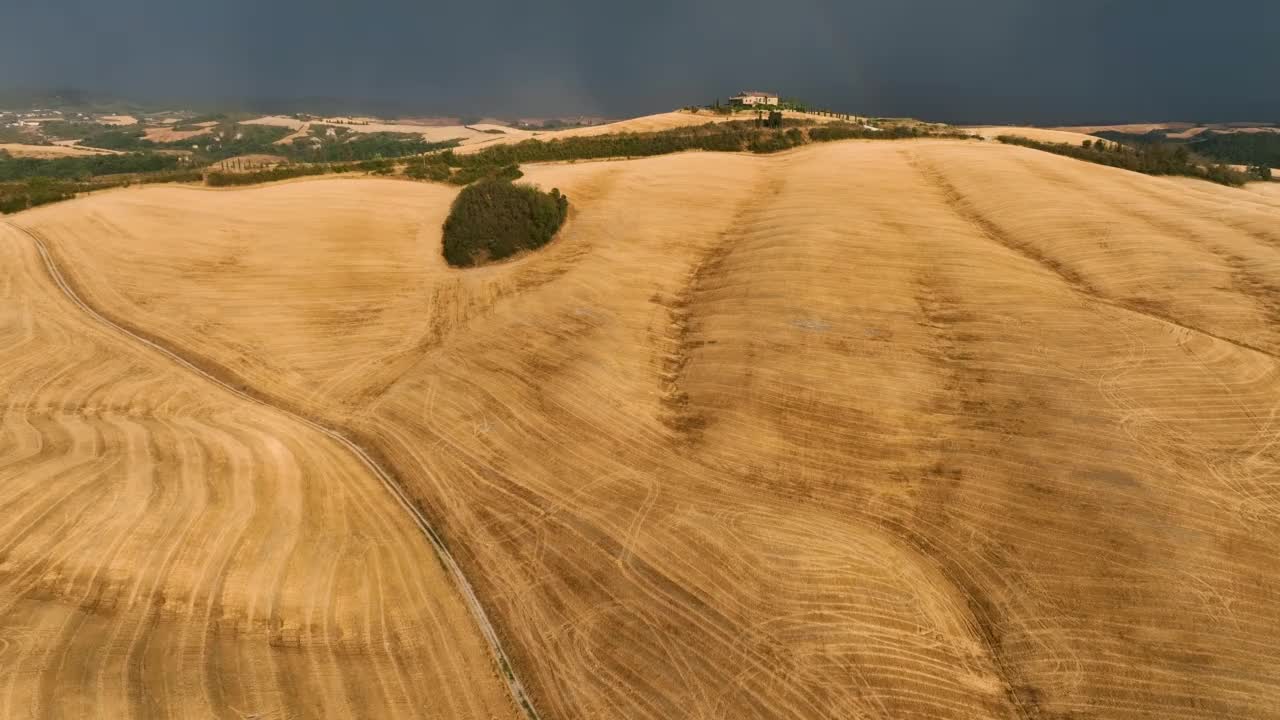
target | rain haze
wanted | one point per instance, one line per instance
(980, 61)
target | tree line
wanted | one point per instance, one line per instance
(84, 167)
(36, 191)
(1259, 151)
(734, 136)
(288, 172)
(1151, 159)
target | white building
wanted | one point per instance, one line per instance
(754, 97)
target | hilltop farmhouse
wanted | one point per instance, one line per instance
(754, 97)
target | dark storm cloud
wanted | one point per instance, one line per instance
(981, 60)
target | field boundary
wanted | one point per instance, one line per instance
(464, 586)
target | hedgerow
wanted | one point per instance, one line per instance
(284, 172)
(83, 168)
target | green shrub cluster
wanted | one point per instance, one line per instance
(770, 142)
(83, 168)
(1151, 159)
(231, 140)
(430, 167)
(16, 197)
(495, 219)
(376, 167)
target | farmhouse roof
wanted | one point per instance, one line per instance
(745, 93)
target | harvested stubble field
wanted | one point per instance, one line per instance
(1032, 133)
(47, 152)
(924, 429)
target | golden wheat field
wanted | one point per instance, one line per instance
(917, 429)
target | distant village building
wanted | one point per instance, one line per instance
(754, 97)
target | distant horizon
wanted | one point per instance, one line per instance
(405, 108)
(987, 61)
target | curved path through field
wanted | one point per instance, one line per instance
(459, 578)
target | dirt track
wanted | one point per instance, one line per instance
(869, 429)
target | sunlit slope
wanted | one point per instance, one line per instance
(168, 550)
(644, 124)
(868, 429)
(1033, 133)
(304, 287)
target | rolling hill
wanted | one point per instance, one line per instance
(171, 548)
(917, 429)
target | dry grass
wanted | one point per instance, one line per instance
(51, 151)
(891, 430)
(171, 550)
(119, 120)
(276, 121)
(168, 134)
(1271, 189)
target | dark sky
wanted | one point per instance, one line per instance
(963, 61)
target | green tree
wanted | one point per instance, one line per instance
(494, 219)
